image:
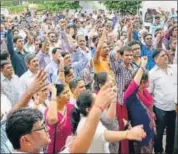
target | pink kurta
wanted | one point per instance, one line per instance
(64, 129)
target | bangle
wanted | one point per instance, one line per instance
(99, 107)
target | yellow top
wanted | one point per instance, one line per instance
(102, 65)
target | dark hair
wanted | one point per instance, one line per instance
(146, 35)
(17, 38)
(74, 83)
(133, 43)
(84, 101)
(4, 55)
(157, 31)
(67, 70)
(3, 63)
(157, 17)
(63, 54)
(156, 52)
(21, 122)
(100, 78)
(16, 30)
(59, 88)
(125, 48)
(144, 78)
(55, 50)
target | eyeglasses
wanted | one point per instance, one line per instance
(43, 126)
(149, 38)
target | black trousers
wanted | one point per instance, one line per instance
(164, 119)
(176, 137)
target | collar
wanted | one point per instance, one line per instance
(3, 77)
(86, 51)
(22, 53)
(131, 64)
(30, 74)
(53, 62)
(158, 68)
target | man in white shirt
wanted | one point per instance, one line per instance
(9, 82)
(163, 86)
(32, 63)
(6, 106)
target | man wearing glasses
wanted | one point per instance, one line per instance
(163, 85)
(28, 133)
(26, 130)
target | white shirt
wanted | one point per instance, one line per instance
(6, 106)
(10, 88)
(25, 81)
(42, 108)
(163, 87)
(98, 144)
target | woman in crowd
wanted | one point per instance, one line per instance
(58, 118)
(139, 105)
(108, 118)
(102, 137)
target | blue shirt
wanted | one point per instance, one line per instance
(52, 70)
(80, 60)
(135, 36)
(17, 58)
(147, 52)
(44, 59)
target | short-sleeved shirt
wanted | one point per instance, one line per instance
(98, 144)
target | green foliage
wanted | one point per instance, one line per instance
(16, 9)
(50, 5)
(123, 6)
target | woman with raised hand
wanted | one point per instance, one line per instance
(108, 118)
(102, 136)
(139, 105)
(58, 118)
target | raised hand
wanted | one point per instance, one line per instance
(106, 96)
(38, 83)
(144, 61)
(130, 26)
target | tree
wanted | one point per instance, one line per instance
(124, 6)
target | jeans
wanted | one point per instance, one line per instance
(164, 119)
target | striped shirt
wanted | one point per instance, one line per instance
(6, 146)
(122, 74)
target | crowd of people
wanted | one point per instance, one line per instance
(88, 83)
